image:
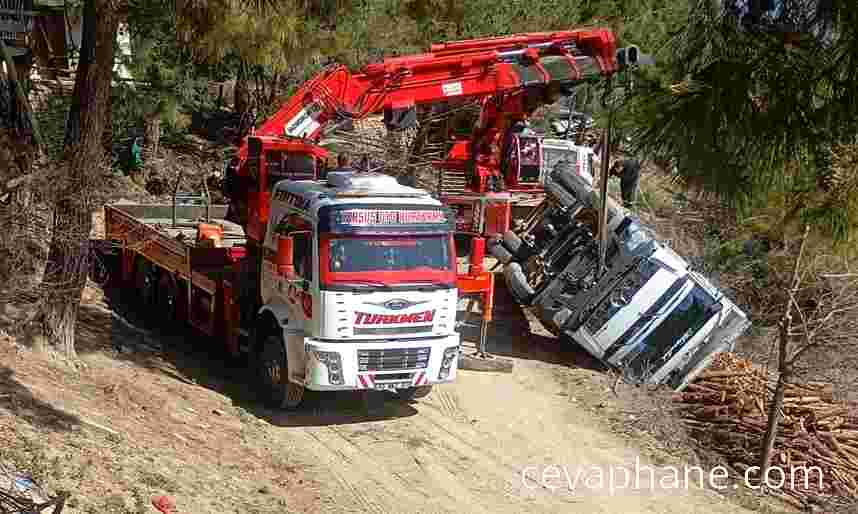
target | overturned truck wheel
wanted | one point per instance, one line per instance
(499, 252)
(511, 241)
(517, 282)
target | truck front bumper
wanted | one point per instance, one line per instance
(391, 365)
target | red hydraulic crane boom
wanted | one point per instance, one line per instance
(510, 75)
(473, 68)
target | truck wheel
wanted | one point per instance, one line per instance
(272, 370)
(168, 301)
(499, 252)
(511, 241)
(144, 281)
(413, 393)
(517, 282)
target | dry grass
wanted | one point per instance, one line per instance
(125, 428)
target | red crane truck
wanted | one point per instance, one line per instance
(275, 288)
(511, 76)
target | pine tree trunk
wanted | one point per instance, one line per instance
(20, 251)
(241, 93)
(107, 134)
(152, 135)
(66, 271)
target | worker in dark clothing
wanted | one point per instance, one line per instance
(629, 171)
(342, 162)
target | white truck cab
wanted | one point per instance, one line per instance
(359, 275)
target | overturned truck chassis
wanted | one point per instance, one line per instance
(646, 313)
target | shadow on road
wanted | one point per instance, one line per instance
(511, 334)
(17, 398)
(186, 356)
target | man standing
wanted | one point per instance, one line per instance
(343, 162)
(629, 171)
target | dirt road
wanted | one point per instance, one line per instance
(490, 443)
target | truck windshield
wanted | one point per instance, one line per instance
(388, 260)
(673, 332)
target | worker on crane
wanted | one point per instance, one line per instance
(629, 172)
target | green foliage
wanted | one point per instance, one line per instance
(748, 115)
(276, 34)
(51, 118)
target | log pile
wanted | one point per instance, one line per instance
(726, 408)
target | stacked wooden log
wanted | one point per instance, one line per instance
(726, 408)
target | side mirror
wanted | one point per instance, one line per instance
(285, 264)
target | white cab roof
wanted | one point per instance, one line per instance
(348, 187)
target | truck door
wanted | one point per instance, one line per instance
(301, 298)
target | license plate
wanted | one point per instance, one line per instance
(392, 385)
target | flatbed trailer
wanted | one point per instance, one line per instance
(182, 261)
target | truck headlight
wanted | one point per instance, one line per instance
(450, 354)
(334, 363)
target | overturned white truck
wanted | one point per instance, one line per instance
(647, 314)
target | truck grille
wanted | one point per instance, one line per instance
(393, 359)
(373, 331)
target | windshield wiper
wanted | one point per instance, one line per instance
(428, 283)
(364, 283)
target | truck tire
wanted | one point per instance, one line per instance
(144, 281)
(512, 242)
(272, 371)
(499, 252)
(168, 302)
(517, 282)
(413, 393)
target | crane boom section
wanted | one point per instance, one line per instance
(475, 68)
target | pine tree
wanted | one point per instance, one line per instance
(755, 107)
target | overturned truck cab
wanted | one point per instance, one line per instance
(647, 314)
